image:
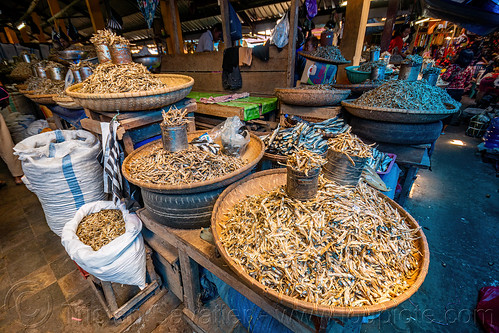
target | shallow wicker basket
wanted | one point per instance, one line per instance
(177, 87)
(21, 86)
(42, 99)
(311, 97)
(324, 60)
(357, 88)
(66, 102)
(398, 115)
(270, 179)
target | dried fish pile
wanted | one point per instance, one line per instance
(350, 145)
(22, 69)
(182, 167)
(175, 117)
(34, 83)
(310, 136)
(432, 70)
(368, 66)
(413, 59)
(119, 78)
(98, 229)
(379, 160)
(107, 37)
(52, 64)
(324, 86)
(348, 247)
(49, 87)
(305, 161)
(330, 53)
(402, 94)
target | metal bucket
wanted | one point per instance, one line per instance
(409, 72)
(57, 73)
(77, 76)
(174, 138)
(431, 78)
(41, 72)
(120, 54)
(85, 72)
(374, 55)
(26, 58)
(103, 53)
(301, 186)
(34, 71)
(378, 73)
(341, 170)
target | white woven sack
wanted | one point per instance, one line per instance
(123, 260)
(62, 169)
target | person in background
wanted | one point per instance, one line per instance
(311, 43)
(209, 37)
(397, 42)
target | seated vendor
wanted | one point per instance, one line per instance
(397, 43)
(209, 37)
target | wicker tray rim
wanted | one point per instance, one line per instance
(189, 81)
(347, 103)
(309, 307)
(319, 59)
(312, 91)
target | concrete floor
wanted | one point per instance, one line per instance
(456, 204)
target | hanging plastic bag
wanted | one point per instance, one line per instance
(234, 137)
(280, 34)
(123, 260)
(311, 6)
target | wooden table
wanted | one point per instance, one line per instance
(194, 251)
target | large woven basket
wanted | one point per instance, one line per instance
(177, 87)
(398, 115)
(253, 154)
(270, 179)
(42, 99)
(324, 60)
(66, 102)
(357, 88)
(311, 97)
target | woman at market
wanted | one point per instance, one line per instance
(397, 43)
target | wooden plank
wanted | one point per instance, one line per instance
(407, 155)
(38, 23)
(220, 110)
(190, 280)
(164, 249)
(54, 9)
(319, 112)
(91, 125)
(11, 35)
(391, 16)
(99, 295)
(24, 35)
(224, 10)
(128, 143)
(3, 38)
(95, 12)
(293, 28)
(107, 288)
(357, 13)
(140, 297)
(173, 280)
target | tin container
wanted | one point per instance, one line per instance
(120, 53)
(41, 72)
(374, 55)
(26, 58)
(341, 170)
(85, 72)
(57, 73)
(103, 53)
(77, 76)
(378, 73)
(174, 138)
(409, 72)
(301, 186)
(33, 71)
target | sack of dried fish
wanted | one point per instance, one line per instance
(303, 168)
(311, 136)
(415, 95)
(110, 78)
(347, 248)
(105, 240)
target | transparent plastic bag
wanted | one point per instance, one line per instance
(280, 34)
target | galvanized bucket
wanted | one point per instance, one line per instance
(374, 55)
(103, 53)
(85, 72)
(174, 138)
(301, 186)
(341, 170)
(120, 54)
(57, 73)
(26, 58)
(40, 72)
(77, 76)
(409, 72)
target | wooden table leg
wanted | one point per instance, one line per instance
(407, 185)
(190, 281)
(109, 294)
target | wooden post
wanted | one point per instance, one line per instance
(391, 15)
(38, 22)
(3, 38)
(171, 22)
(54, 9)
(353, 35)
(95, 13)
(293, 28)
(224, 9)
(24, 35)
(11, 35)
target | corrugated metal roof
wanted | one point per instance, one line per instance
(200, 24)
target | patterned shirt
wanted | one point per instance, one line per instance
(457, 77)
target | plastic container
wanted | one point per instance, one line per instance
(174, 138)
(301, 186)
(356, 77)
(120, 53)
(103, 53)
(341, 170)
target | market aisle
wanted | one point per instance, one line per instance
(457, 204)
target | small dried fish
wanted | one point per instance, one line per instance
(81, 64)
(175, 117)
(98, 229)
(348, 247)
(46, 87)
(305, 161)
(22, 69)
(330, 52)
(350, 145)
(192, 165)
(107, 37)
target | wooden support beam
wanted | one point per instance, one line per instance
(293, 28)
(3, 38)
(96, 16)
(54, 9)
(391, 16)
(171, 22)
(11, 35)
(38, 22)
(224, 10)
(24, 35)
(353, 36)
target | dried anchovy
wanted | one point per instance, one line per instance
(284, 141)
(175, 117)
(323, 86)
(49, 87)
(21, 69)
(188, 166)
(330, 52)
(379, 160)
(370, 65)
(119, 78)
(350, 145)
(305, 161)
(81, 64)
(402, 94)
(108, 37)
(413, 59)
(34, 82)
(98, 229)
(348, 247)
